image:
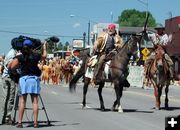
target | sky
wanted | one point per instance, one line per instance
(52, 17)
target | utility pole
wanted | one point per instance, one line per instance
(111, 16)
(84, 39)
(88, 33)
(146, 4)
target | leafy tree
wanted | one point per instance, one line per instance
(51, 47)
(135, 18)
(60, 46)
(66, 46)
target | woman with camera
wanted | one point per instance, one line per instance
(29, 81)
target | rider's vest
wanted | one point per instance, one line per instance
(109, 44)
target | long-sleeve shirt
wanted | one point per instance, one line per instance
(157, 39)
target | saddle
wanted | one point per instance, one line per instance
(92, 66)
(92, 61)
(151, 68)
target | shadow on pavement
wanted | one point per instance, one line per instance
(125, 110)
(170, 108)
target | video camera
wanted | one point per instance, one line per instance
(17, 42)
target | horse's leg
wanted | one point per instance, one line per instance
(118, 90)
(157, 106)
(101, 85)
(166, 98)
(157, 93)
(159, 96)
(119, 97)
(85, 89)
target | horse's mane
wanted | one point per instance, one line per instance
(124, 45)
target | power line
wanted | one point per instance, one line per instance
(37, 34)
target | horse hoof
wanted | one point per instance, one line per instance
(102, 109)
(83, 107)
(113, 109)
(166, 106)
(120, 111)
(157, 108)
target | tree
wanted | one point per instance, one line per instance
(66, 46)
(51, 47)
(135, 18)
(60, 46)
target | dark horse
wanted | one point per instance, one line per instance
(118, 68)
(158, 74)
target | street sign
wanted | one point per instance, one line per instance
(145, 52)
(144, 58)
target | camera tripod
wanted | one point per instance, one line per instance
(43, 108)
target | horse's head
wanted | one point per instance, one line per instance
(159, 55)
(133, 45)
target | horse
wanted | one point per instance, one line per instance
(157, 73)
(118, 68)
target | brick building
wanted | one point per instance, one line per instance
(172, 28)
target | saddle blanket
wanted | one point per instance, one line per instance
(90, 71)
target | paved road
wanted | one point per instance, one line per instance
(65, 113)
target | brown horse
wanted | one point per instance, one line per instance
(118, 68)
(157, 73)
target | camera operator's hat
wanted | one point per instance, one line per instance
(27, 42)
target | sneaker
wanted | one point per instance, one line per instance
(36, 125)
(19, 125)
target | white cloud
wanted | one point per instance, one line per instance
(76, 25)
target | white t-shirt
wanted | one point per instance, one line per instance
(163, 40)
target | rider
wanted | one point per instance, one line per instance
(162, 39)
(105, 45)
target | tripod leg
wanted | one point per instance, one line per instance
(43, 107)
(15, 108)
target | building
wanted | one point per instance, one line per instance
(172, 28)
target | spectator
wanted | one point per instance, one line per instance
(8, 89)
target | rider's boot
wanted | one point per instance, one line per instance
(126, 83)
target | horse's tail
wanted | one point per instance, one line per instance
(76, 77)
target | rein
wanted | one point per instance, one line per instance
(119, 49)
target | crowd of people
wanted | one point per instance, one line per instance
(55, 70)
